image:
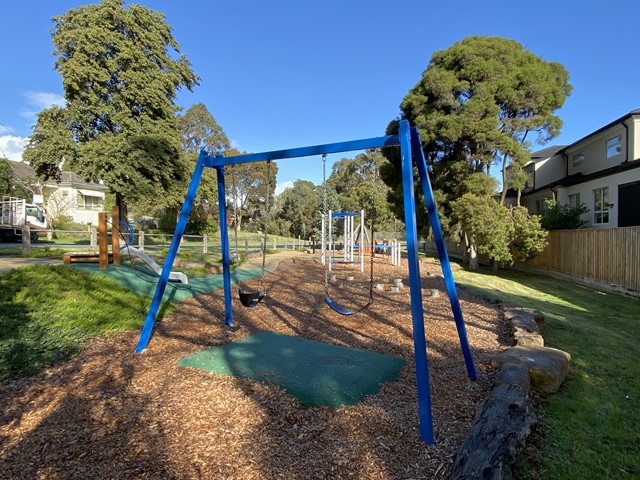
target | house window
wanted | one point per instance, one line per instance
(578, 159)
(614, 146)
(541, 206)
(574, 200)
(87, 202)
(601, 205)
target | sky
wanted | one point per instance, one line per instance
(290, 73)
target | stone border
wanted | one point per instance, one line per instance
(505, 418)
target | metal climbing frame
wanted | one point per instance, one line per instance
(411, 152)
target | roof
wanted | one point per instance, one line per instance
(632, 113)
(21, 169)
(24, 170)
(546, 153)
(581, 177)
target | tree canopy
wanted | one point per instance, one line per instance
(121, 70)
(480, 102)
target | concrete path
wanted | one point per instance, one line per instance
(8, 263)
(271, 260)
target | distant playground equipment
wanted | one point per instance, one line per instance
(411, 154)
(104, 257)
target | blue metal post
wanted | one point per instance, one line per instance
(417, 312)
(442, 252)
(224, 240)
(147, 328)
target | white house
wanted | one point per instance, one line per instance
(71, 196)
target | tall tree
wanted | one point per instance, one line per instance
(478, 101)
(199, 130)
(358, 185)
(251, 187)
(121, 70)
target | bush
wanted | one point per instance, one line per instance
(563, 217)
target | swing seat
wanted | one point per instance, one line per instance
(341, 310)
(251, 299)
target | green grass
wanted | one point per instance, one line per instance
(589, 429)
(46, 314)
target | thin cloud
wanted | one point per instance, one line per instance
(39, 101)
(282, 186)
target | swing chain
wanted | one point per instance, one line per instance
(373, 219)
(325, 213)
(266, 224)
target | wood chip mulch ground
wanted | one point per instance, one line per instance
(109, 413)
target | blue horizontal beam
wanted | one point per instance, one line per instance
(328, 148)
(344, 214)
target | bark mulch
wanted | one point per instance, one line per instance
(109, 413)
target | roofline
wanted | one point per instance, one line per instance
(632, 113)
(568, 182)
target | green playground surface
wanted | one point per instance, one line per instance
(143, 281)
(316, 373)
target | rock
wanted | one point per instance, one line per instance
(434, 292)
(524, 338)
(514, 374)
(511, 311)
(548, 367)
(524, 322)
(499, 431)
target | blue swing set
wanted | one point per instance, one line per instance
(411, 153)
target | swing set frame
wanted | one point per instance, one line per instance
(411, 153)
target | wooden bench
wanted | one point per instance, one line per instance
(68, 258)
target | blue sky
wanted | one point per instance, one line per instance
(285, 73)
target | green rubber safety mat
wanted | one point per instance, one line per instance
(143, 281)
(316, 373)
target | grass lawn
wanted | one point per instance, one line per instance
(590, 428)
(47, 312)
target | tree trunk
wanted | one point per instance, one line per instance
(472, 255)
(518, 199)
(503, 195)
(122, 208)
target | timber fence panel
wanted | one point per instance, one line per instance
(603, 255)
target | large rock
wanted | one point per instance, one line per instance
(548, 367)
(524, 322)
(524, 338)
(499, 431)
(511, 311)
(516, 374)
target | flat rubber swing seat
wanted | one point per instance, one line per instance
(341, 310)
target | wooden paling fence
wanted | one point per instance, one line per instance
(606, 256)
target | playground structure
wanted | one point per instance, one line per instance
(104, 257)
(411, 153)
(354, 240)
(349, 238)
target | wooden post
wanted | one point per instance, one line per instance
(103, 248)
(115, 234)
(93, 241)
(204, 243)
(246, 247)
(141, 241)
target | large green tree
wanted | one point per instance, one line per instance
(358, 185)
(121, 69)
(479, 102)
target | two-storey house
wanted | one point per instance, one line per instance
(601, 170)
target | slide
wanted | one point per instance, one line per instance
(173, 276)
